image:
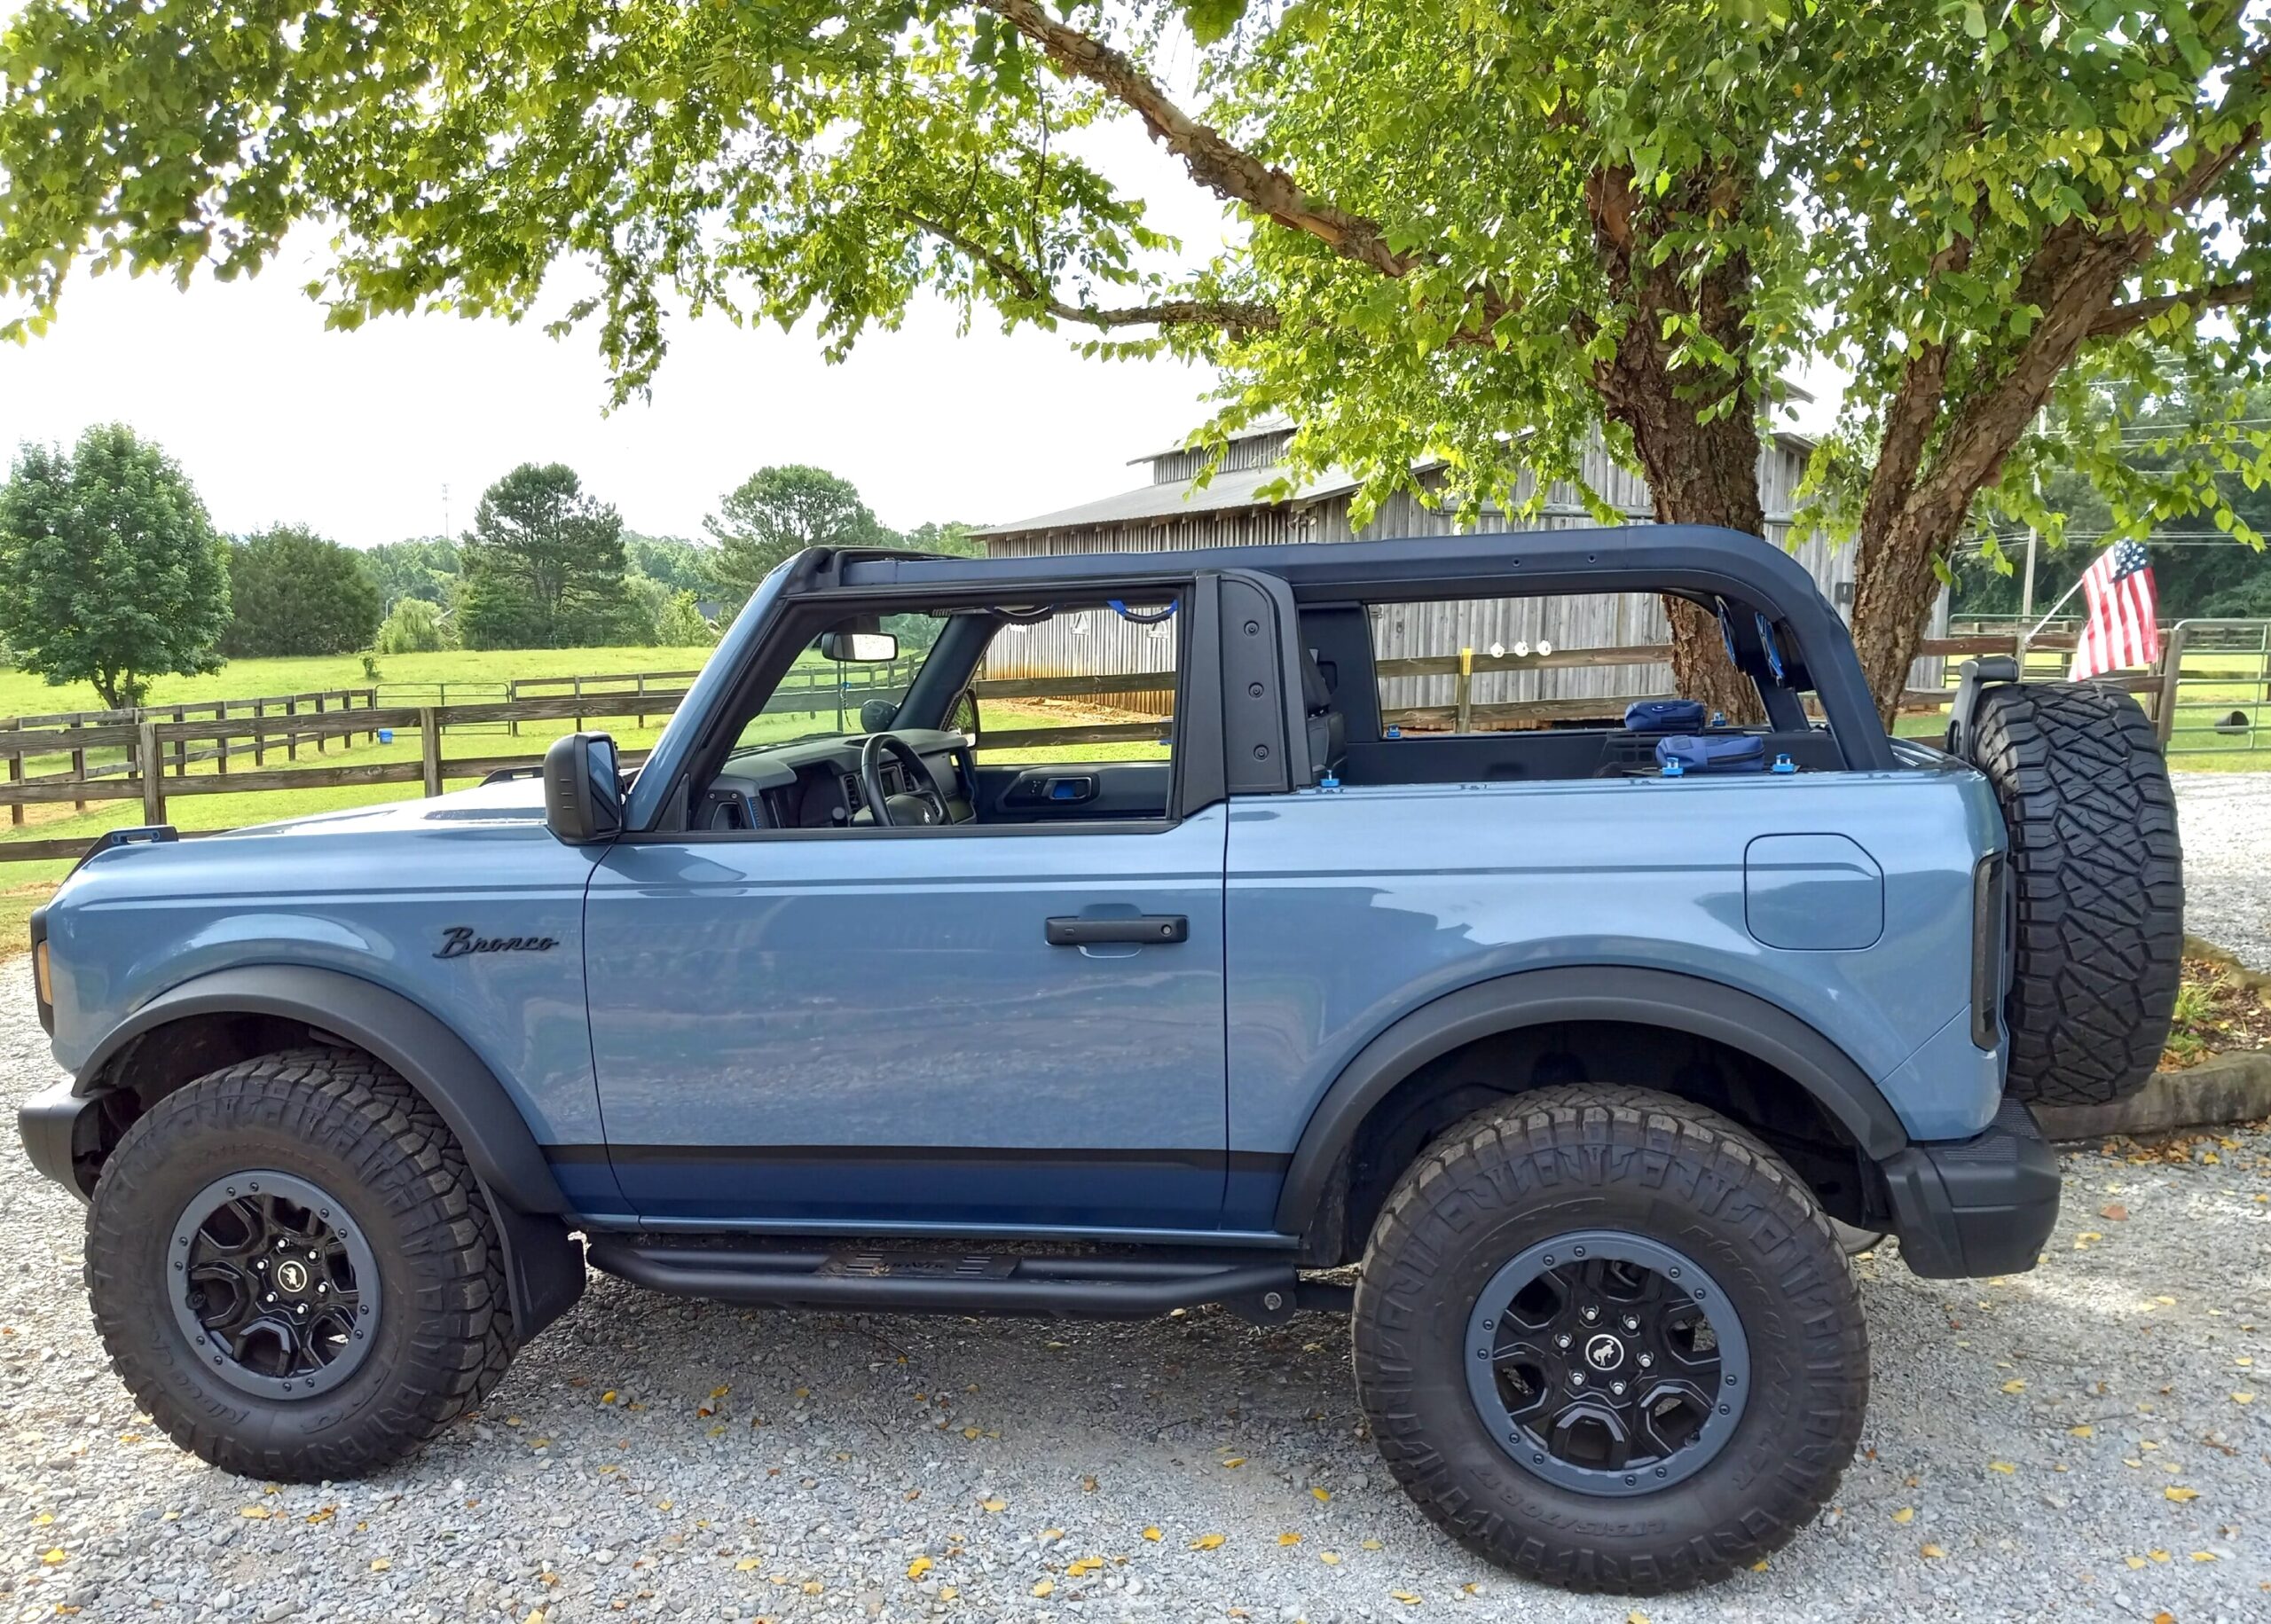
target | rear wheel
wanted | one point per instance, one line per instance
(1604, 1338)
(2097, 887)
(293, 1270)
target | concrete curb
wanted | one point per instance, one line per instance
(2230, 1087)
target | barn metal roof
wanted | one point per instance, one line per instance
(1230, 490)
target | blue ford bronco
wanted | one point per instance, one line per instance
(1543, 1039)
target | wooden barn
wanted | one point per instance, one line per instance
(1173, 510)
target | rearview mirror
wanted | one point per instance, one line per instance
(860, 647)
(583, 790)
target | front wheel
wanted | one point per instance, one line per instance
(293, 1270)
(1606, 1340)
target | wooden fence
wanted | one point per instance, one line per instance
(237, 738)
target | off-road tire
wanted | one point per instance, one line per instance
(2097, 886)
(340, 1119)
(1589, 1158)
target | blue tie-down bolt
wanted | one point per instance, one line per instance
(1395, 733)
(1783, 764)
(1672, 769)
(1328, 782)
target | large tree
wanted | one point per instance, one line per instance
(779, 511)
(1471, 235)
(110, 570)
(292, 591)
(542, 564)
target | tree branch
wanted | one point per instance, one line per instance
(1230, 315)
(2128, 317)
(1215, 162)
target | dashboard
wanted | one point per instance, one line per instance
(814, 783)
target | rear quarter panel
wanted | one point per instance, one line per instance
(1347, 908)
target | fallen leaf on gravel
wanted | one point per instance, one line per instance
(2203, 1556)
(2005, 1467)
(258, 1513)
(2014, 1386)
(918, 1567)
(323, 1514)
(972, 1434)
(1289, 1539)
(1207, 1541)
(2158, 1555)
(1758, 1566)
(1636, 1617)
(1234, 1460)
(2113, 1212)
(1152, 1534)
(1409, 1598)
(748, 1564)
(1082, 1567)
(947, 1593)
(1933, 1551)
(58, 1555)
(995, 1504)
(719, 1393)
(379, 1564)
(1371, 1544)
(2243, 1361)
(2082, 1241)
(2084, 1430)
(1087, 1485)
(129, 1437)
(1330, 1558)
(2163, 1617)
(2180, 1494)
(536, 1616)
(1321, 1494)
(811, 1586)
(2134, 1562)
(2243, 1398)
(1907, 1514)
(1045, 1588)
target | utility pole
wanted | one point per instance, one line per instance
(445, 518)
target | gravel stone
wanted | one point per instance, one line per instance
(2225, 821)
(650, 1457)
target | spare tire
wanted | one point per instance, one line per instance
(2096, 883)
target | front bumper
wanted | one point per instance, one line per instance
(57, 1126)
(1969, 1208)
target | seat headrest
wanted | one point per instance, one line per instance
(1316, 695)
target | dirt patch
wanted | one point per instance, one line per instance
(2220, 1008)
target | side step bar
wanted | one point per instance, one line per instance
(905, 1282)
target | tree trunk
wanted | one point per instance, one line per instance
(1698, 473)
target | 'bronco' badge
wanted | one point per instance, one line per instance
(459, 940)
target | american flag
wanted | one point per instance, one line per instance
(2121, 630)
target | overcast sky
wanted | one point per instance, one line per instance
(356, 433)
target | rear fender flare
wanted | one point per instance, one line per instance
(1589, 993)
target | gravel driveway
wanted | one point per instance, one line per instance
(2070, 1442)
(2225, 818)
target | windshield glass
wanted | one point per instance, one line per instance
(826, 697)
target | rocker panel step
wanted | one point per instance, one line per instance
(959, 1282)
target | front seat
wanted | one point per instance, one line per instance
(1328, 729)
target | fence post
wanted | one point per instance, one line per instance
(371, 702)
(1463, 694)
(154, 773)
(78, 768)
(16, 776)
(291, 734)
(320, 740)
(642, 694)
(260, 733)
(221, 737)
(430, 747)
(181, 746)
(579, 708)
(512, 697)
(2172, 673)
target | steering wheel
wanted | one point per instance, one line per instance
(923, 805)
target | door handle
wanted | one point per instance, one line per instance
(1072, 930)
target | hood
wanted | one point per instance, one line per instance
(515, 800)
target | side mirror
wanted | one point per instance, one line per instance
(877, 715)
(583, 793)
(963, 716)
(859, 647)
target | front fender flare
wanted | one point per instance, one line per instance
(431, 1058)
(1605, 992)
